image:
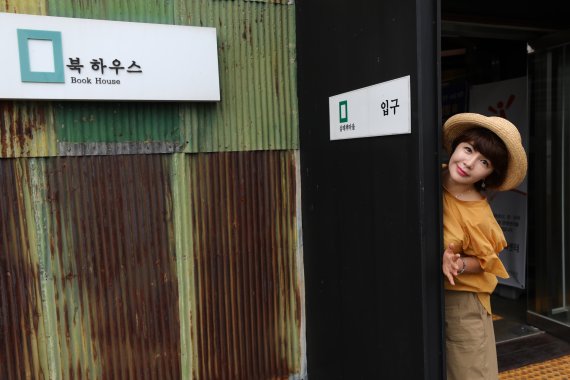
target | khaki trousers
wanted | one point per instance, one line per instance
(470, 339)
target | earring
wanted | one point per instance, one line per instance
(483, 185)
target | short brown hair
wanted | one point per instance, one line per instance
(491, 146)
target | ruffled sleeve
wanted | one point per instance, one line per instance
(484, 241)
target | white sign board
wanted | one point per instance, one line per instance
(70, 58)
(378, 110)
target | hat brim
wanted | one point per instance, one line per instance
(504, 129)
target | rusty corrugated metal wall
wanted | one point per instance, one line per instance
(157, 240)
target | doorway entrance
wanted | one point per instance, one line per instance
(497, 56)
(549, 69)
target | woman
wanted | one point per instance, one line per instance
(485, 153)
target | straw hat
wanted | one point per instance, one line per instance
(504, 129)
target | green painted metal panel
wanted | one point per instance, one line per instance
(89, 128)
(258, 110)
(184, 236)
(153, 11)
(257, 63)
(40, 204)
(107, 128)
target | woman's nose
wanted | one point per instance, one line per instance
(469, 161)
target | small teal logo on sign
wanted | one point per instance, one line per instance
(27, 75)
(343, 111)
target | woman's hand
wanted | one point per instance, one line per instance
(450, 264)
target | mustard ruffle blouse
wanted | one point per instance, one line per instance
(473, 229)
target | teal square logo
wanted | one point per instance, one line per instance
(27, 75)
(343, 111)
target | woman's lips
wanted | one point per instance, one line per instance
(461, 172)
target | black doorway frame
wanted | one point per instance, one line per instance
(371, 207)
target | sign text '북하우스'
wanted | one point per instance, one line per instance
(63, 58)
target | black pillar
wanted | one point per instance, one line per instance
(371, 206)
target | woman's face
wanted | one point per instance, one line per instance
(467, 166)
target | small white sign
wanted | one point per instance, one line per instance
(63, 58)
(378, 110)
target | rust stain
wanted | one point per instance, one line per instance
(19, 124)
(6, 108)
(112, 253)
(114, 219)
(243, 260)
(19, 303)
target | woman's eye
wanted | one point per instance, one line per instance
(485, 163)
(467, 149)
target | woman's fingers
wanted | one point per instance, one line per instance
(450, 265)
(449, 277)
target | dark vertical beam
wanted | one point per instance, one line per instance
(371, 206)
